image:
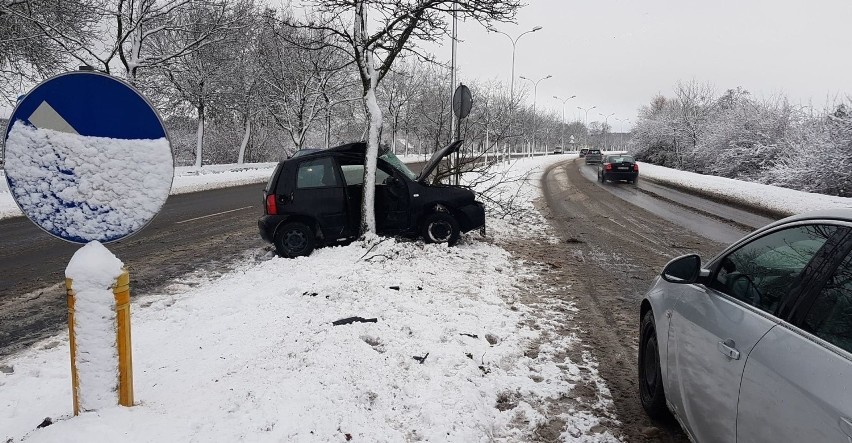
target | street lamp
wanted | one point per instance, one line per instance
(535, 116)
(625, 123)
(563, 117)
(585, 124)
(512, 80)
(606, 123)
(514, 47)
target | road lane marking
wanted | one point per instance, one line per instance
(45, 117)
(213, 215)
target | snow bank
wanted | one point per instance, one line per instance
(193, 179)
(94, 270)
(87, 188)
(773, 199)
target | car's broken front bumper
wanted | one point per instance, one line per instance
(473, 216)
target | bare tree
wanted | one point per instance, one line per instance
(36, 35)
(398, 25)
(303, 82)
(200, 77)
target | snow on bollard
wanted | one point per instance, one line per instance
(99, 329)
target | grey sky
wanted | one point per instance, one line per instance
(618, 54)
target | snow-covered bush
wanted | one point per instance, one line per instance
(737, 136)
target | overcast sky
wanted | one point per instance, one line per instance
(618, 54)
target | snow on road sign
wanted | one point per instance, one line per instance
(87, 158)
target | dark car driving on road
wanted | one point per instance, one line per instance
(618, 168)
(315, 199)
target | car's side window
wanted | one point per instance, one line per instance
(354, 175)
(761, 272)
(830, 317)
(317, 173)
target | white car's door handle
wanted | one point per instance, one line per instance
(846, 426)
(728, 350)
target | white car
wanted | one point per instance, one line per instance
(757, 344)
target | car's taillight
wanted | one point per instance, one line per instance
(608, 166)
(271, 206)
(635, 167)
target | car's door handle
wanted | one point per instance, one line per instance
(846, 426)
(728, 350)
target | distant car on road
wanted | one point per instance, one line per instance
(619, 167)
(315, 199)
(756, 345)
(583, 152)
(557, 151)
(593, 156)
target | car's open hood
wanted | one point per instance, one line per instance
(436, 159)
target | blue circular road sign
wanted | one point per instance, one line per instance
(87, 158)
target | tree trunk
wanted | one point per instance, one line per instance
(374, 119)
(241, 158)
(327, 122)
(199, 136)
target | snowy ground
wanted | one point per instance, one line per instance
(254, 355)
(771, 198)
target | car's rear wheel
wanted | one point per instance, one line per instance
(651, 392)
(441, 227)
(294, 239)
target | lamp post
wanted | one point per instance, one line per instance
(563, 117)
(535, 116)
(512, 79)
(606, 123)
(514, 47)
(585, 124)
(621, 133)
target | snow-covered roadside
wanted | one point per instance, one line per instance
(187, 179)
(253, 355)
(771, 198)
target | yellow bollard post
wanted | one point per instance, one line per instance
(75, 382)
(121, 292)
(125, 354)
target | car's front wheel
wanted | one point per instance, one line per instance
(441, 227)
(294, 239)
(651, 392)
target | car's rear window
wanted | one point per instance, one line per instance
(272, 179)
(620, 159)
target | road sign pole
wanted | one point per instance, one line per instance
(121, 292)
(72, 340)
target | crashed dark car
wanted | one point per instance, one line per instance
(314, 200)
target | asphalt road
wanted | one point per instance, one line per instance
(193, 230)
(615, 239)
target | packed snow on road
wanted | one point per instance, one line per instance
(389, 340)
